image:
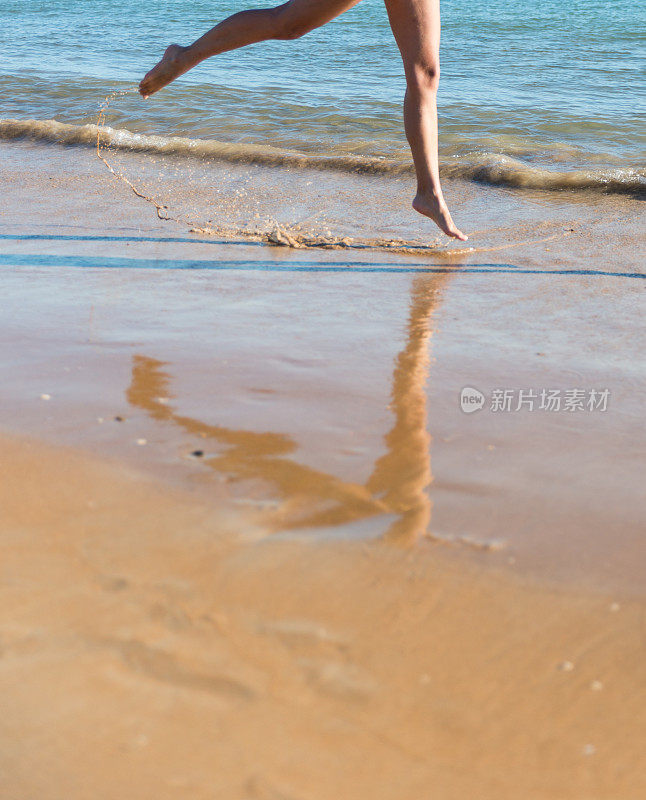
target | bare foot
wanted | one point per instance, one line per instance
(434, 207)
(170, 67)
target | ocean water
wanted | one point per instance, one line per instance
(545, 95)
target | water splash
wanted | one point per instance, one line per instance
(283, 236)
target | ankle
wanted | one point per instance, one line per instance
(186, 56)
(431, 194)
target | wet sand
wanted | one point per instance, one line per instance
(225, 571)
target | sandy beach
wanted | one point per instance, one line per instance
(252, 546)
(148, 651)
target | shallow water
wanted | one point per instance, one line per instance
(527, 90)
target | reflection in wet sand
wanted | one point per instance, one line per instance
(402, 476)
(312, 498)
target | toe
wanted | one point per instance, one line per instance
(452, 229)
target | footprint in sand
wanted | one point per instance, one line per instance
(302, 632)
(341, 680)
(165, 667)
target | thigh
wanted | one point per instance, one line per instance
(313, 13)
(416, 27)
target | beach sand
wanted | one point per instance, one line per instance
(224, 574)
(148, 652)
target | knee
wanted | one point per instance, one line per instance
(424, 76)
(287, 25)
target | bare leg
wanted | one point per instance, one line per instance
(288, 21)
(416, 27)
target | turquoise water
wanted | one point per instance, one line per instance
(557, 86)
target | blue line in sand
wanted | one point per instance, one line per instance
(114, 262)
(331, 266)
(68, 237)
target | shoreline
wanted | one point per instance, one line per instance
(491, 168)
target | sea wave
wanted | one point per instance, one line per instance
(485, 167)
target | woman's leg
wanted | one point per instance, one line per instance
(288, 21)
(416, 27)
